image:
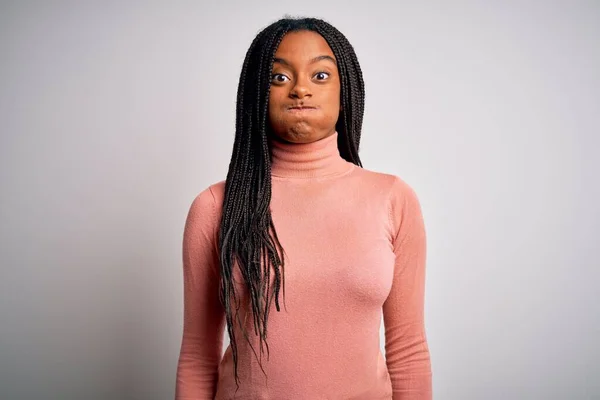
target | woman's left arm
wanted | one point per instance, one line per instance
(407, 351)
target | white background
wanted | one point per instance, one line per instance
(115, 115)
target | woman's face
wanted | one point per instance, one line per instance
(304, 101)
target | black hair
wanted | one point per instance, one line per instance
(247, 235)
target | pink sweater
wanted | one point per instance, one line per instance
(355, 246)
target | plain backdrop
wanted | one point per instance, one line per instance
(114, 115)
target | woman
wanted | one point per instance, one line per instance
(300, 250)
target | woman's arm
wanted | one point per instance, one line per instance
(204, 318)
(407, 352)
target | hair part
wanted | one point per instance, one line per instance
(247, 235)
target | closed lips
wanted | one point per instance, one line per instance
(301, 108)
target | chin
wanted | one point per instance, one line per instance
(304, 137)
(305, 134)
(296, 134)
(300, 137)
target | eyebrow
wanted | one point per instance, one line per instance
(312, 61)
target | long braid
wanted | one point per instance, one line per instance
(352, 85)
(247, 234)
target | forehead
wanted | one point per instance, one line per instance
(303, 44)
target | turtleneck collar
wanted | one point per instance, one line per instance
(307, 160)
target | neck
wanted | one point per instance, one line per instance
(307, 160)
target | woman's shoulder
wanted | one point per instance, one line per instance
(217, 190)
(208, 201)
(394, 185)
(401, 198)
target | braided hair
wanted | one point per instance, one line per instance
(247, 235)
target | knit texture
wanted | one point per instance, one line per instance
(355, 249)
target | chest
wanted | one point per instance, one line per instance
(337, 248)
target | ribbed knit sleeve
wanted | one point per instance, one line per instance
(407, 352)
(204, 318)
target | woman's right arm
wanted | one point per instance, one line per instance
(203, 315)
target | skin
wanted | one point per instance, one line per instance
(304, 100)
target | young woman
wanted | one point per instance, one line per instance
(300, 250)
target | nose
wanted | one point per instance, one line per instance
(300, 90)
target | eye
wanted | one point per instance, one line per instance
(279, 78)
(321, 75)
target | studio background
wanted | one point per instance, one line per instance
(115, 115)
